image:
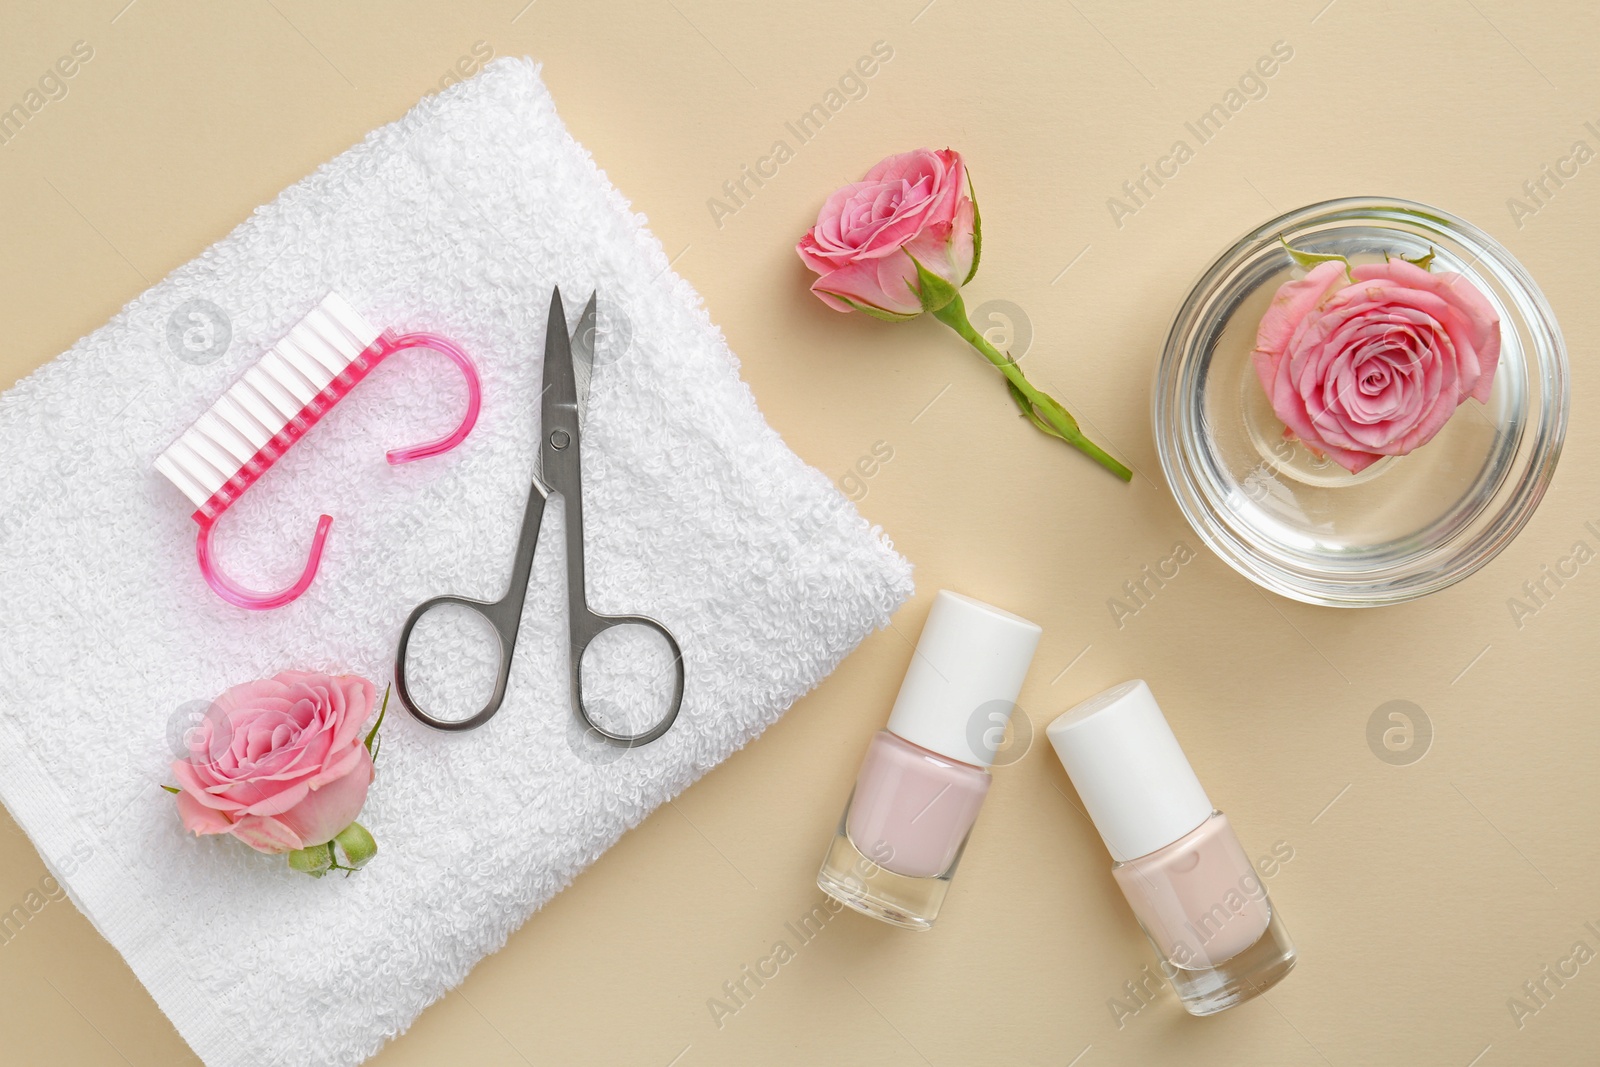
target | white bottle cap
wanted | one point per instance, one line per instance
(964, 678)
(1130, 771)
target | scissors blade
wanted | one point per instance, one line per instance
(558, 404)
(583, 341)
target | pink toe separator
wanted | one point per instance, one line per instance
(296, 427)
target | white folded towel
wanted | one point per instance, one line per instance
(457, 219)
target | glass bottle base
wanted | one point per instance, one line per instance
(853, 879)
(1233, 981)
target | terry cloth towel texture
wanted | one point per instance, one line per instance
(457, 219)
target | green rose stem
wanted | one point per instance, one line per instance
(1042, 409)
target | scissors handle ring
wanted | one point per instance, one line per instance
(593, 626)
(492, 612)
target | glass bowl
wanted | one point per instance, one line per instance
(1301, 525)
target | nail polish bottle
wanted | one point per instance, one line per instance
(925, 776)
(1188, 880)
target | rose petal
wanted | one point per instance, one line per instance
(200, 818)
(331, 808)
(267, 834)
(886, 284)
(355, 698)
(1473, 322)
(270, 798)
(346, 761)
(1290, 305)
(198, 788)
(913, 164)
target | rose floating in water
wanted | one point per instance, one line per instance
(1371, 361)
(281, 765)
(904, 240)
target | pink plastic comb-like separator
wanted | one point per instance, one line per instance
(276, 403)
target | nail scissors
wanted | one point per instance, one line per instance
(568, 366)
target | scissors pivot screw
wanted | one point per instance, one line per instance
(559, 439)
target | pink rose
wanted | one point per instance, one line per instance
(904, 240)
(1375, 368)
(280, 763)
(913, 204)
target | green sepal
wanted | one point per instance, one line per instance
(315, 861)
(372, 741)
(1308, 260)
(977, 231)
(354, 846)
(875, 312)
(934, 292)
(172, 789)
(357, 845)
(1425, 262)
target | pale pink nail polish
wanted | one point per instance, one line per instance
(1188, 880)
(925, 776)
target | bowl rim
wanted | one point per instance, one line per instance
(1547, 357)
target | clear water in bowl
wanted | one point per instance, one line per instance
(1299, 523)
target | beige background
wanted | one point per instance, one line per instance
(1422, 896)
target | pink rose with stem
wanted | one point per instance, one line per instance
(903, 241)
(281, 765)
(1371, 361)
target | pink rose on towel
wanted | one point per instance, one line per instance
(1376, 366)
(281, 765)
(916, 204)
